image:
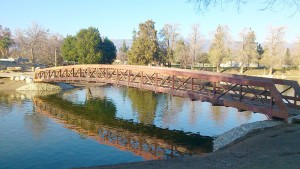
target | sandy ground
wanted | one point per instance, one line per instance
(277, 147)
(11, 73)
(7, 84)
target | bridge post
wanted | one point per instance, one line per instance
(271, 106)
(129, 74)
(142, 79)
(241, 93)
(88, 74)
(214, 93)
(156, 81)
(172, 84)
(117, 78)
(295, 97)
(192, 83)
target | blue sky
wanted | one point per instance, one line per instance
(117, 18)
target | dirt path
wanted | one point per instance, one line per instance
(6, 84)
(277, 147)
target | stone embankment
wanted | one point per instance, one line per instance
(44, 87)
(240, 132)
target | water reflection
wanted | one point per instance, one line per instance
(143, 102)
(96, 119)
(36, 123)
(166, 111)
(144, 124)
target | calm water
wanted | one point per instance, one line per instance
(107, 125)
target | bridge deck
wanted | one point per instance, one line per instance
(273, 97)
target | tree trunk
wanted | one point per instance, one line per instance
(55, 57)
(271, 70)
(218, 68)
(242, 70)
(32, 55)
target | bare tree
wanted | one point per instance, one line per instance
(169, 35)
(54, 53)
(203, 5)
(122, 53)
(247, 48)
(274, 49)
(32, 39)
(195, 44)
(181, 53)
(296, 54)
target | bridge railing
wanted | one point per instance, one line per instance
(242, 92)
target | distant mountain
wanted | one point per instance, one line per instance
(206, 44)
(118, 42)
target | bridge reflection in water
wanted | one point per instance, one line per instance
(96, 119)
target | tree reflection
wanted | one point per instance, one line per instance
(171, 106)
(36, 123)
(218, 115)
(6, 104)
(8, 100)
(144, 103)
(99, 115)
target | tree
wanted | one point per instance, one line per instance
(195, 44)
(146, 112)
(69, 50)
(203, 5)
(169, 35)
(296, 54)
(54, 49)
(88, 45)
(133, 35)
(260, 51)
(181, 54)
(32, 39)
(247, 48)
(123, 52)
(144, 49)
(219, 48)
(287, 58)
(273, 55)
(109, 51)
(5, 41)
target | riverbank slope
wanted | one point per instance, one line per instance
(276, 147)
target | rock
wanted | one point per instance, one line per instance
(294, 119)
(29, 80)
(44, 87)
(17, 78)
(241, 131)
(12, 78)
(22, 78)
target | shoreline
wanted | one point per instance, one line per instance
(274, 147)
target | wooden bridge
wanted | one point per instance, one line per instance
(276, 98)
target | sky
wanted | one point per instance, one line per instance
(116, 19)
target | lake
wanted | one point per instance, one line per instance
(94, 126)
